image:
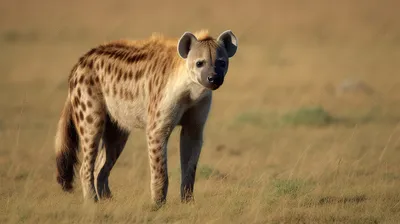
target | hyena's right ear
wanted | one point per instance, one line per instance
(184, 44)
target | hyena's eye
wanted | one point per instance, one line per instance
(199, 64)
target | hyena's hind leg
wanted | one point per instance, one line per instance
(114, 140)
(89, 118)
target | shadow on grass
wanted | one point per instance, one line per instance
(346, 199)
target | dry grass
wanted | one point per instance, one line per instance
(267, 158)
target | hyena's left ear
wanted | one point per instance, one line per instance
(230, 42)
(185, 43)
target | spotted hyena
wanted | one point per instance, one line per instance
(153, 84)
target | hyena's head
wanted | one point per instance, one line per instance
(207, 59)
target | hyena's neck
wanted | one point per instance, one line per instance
(184, 87)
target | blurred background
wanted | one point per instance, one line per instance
(312, 94)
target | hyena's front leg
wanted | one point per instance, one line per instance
(158, 133)
(191, 141)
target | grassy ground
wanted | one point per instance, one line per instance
(305, 129)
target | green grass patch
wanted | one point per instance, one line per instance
(308, 116)
(251, 118)
(12, 36)
(290, 187)
(203, 172)
(311, 116)
(257, 119)
(207, 172)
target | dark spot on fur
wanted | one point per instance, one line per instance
(136, 58)
(91, 81)
(89, 90)
(119, 74)
(81, 130)
(164, 68)
(89, 119)
(76, 102)
(93, 145)
(150, 85)
(83, 63)
(115, 90)
(92, 51)
(139, 74)
(90, 64)
(115, 70)
(83, 106)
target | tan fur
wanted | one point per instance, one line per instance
(144, 84)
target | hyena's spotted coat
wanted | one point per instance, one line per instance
(154, 84)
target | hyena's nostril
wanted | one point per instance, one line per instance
(215, 79)
(211, 79)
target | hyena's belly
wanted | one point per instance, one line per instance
(128, 114)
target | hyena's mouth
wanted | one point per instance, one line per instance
(214, 86)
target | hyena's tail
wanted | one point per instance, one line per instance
(66, 146)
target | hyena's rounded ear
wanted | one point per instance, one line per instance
(230, 42)
(185, 43)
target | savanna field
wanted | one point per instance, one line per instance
(305, 128)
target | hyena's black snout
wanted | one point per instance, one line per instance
(215, 80)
